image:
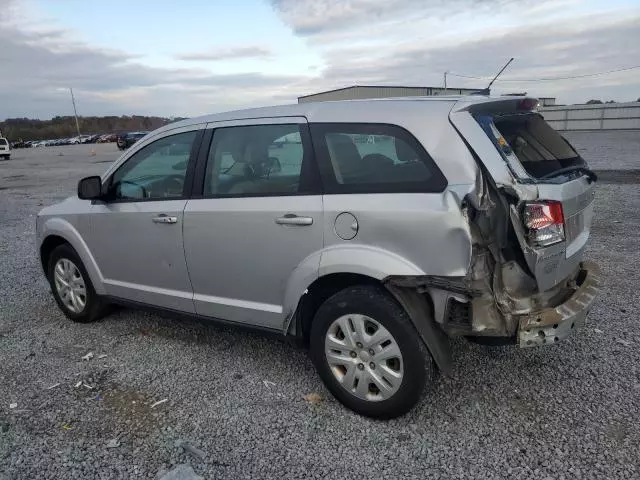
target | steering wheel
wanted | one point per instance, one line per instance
(174, 181)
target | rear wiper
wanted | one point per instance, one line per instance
(576, 168)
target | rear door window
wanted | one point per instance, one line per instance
(373, 158)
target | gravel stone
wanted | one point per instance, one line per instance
(181, 472)
(565, 411)
(114, 443)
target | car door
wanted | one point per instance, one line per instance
(259, 218)
(136, 233)
(384, 194)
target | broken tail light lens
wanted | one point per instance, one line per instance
(545, 222)
(528, 104)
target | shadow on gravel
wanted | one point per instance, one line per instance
(628, 177)
(192, 330)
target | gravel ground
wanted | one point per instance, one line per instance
(235, 406)
(608, 150)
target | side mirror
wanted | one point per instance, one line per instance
(90, 188)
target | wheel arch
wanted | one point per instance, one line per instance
(57, 232)
(344, 265)
(418, 306)
(48, 245)
(319, 291)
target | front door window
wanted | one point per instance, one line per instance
(155, 172)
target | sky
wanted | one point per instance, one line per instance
(193, 57)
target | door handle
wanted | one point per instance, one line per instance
(164, 219)
(292, 219)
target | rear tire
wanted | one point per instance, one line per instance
(72, 287)
(368, 353)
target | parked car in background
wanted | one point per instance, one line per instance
(386, 227)
(127, 139)
(107, 138)
(5, 148)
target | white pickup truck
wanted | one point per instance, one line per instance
(5, 149)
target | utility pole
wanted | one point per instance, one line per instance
(75, 113)
(445, 82)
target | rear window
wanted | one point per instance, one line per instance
(373, 158)
(538, 147)
(3, 141)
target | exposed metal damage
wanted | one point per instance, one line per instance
(501, 296)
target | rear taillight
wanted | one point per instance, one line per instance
(528, 104)
(545, 222)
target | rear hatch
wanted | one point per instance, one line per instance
(546, 184)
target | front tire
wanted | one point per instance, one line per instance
(72, 287)
(368, 353)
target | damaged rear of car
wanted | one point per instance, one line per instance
(530, 217)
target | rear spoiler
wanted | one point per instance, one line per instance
(488, 105)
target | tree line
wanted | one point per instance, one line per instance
(65, 127)
(600, 102)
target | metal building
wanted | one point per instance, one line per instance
(605, 116)
(364, 91)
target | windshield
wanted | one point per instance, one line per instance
(3, 141)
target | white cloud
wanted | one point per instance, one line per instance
(42, 63)
(321, 17)
(394, 42)
(371, 42)
(228, 53)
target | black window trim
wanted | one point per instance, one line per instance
(309, 165)
(437, 184)
(189, 175)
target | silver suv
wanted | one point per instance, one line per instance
(369, 230)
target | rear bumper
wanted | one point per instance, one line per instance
(554, 324)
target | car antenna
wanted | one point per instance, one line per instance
(487, 90)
